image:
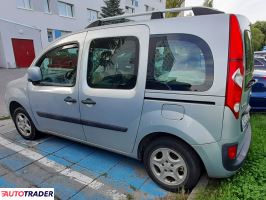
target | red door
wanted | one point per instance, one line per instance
(23, 52)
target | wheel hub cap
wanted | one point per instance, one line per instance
(23, 124)
(168, 166)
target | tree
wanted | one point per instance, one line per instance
(259, 35)
(208, 3)
(173, 4)
(258, 38)
(111, 8)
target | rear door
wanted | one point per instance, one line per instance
(112, 85)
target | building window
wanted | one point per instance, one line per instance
(65, 9)
(92, 15)
(146, 7)
(46, 6)
(24, 4)
(54, 34)
(50, 35)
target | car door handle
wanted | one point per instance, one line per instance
(88, 101)
(70, 100)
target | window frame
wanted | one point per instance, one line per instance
(24, 7)
(201, 44)
(44, 55)
(65, 5)
(136, 39)
(89, 11)
(249, 53)
(47, 3)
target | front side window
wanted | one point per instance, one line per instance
(65, 9)
(113, 63)
(59, 66)
(24, 4)
(179, 62)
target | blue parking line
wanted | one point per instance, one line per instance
(127, 175)
(5, 183)
(75, 152)
(52, 145)
(100, 162)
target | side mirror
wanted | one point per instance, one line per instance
(34, 74)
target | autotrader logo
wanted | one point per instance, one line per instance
(27, 193)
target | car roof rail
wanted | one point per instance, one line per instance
(199, 10)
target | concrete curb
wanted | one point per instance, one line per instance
(203, 182)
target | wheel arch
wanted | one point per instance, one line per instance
(157, 135)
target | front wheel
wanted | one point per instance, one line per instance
(172, 164)
(24, 124)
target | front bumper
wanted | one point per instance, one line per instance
(215, 164)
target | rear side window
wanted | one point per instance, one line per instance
(179, 62)
(249, 59)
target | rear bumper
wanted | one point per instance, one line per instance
(216, 165)
(233, 165)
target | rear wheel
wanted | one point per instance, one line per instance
(172, 164)
(24, 124)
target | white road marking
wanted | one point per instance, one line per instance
(61, 169)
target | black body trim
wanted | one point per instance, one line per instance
(233, 165)
(82, 122)
(180, 100)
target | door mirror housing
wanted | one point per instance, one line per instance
(34, 74)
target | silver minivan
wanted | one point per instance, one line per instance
(172, 92)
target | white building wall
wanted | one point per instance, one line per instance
(13, 30)
(37, 18)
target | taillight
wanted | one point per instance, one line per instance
(231, 152)
(235, 74)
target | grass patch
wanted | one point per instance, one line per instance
(4, 118)
(250, 181)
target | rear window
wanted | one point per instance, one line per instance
(179, 62)
(249, 59)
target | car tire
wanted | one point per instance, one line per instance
(172, 164)
(24, 124)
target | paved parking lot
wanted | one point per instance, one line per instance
(76, 171)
